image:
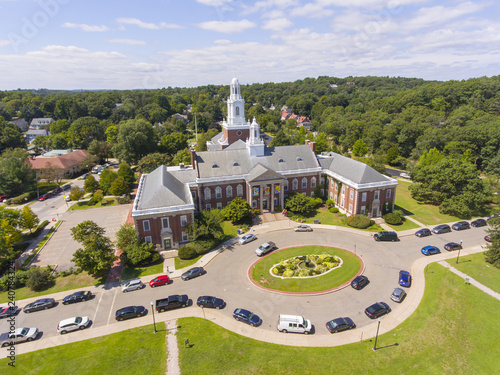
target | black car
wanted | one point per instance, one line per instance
(340, 324)
(193, 272)
(130, 312)
(211, 302)
(377, 309)
(461, 225)
(424, 232)
(478, 223)
(41, 304)
(359, 282)
(493, 217)
(450, 246)
(5, 312)
(442, 228)
(77, 297)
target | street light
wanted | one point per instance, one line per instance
(153, 310)
(461, 241)
(376, 336)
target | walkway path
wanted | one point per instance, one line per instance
(172, 348)
(470, 280)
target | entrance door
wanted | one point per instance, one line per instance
(167, 243)
(375, 212)
(264, 204)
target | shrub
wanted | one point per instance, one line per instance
(288, 273)
(330, 203)
(18, 281)
(256, 211)
(333, 210)
(187, 252)
(91, 202)
(393, 219)
(20, 199)
(124, 199)
(38, 279)
(358, 221)
(153, 258)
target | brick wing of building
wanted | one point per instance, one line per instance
(239, 164)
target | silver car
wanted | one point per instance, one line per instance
(73, 324)
(398, 295)
(132, 285)
(247, 238)
(19, 335)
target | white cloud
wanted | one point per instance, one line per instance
(147, 25)
(438, 15)
(312, 10)
(4, 42)
(214, 3)
(277, 24)
(127, 41)
(228, 27)
(84, 27)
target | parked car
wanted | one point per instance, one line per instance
(265, 248)
(57, 190)
(40, 304)
(442, 228)
(5, 312)
(478, 223)
(172, 302)
(424, 232)
(487, 238)
(303, 228)
(404, 278)
(73, 324)
(132, 285)
(247, 238)
(493, 217)
(130, 312)
(404, 175)
(211, 302)
(377, 309)
(193, 272)
(77, 297)
(451, 246)
(44, 197)
(3, 198)
(430, 250)
(159, 280)
(19, 335)
(294, 324)
(386, 236)
(84, 176)
(461, 225)
(359, 282)
(340, 324)
(66, 187)
(246, 316)
(398, 295)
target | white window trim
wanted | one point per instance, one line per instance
(363, 197)
(229, 191)
(388, 194)
(218, 192)
(313, 182)
(208, 207)
(183, 220)
(239, 190)
(148, 239)
(219, 205)
(304, 183)
(208, 194)
(144, 224)
(185, 237)
(168, 223)
(295, 184)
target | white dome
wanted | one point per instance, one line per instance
(234, 81)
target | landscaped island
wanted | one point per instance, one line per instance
(304, 266)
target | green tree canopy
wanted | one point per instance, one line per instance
(91, 184)
(106, 179)
(152, 161)
(359, 148)
(127, 174)
(16, 174)
(136, 138)
(85, 130)
(28, 220)
(238, 210)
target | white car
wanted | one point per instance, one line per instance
(247, 238)
(303, 228)
(265, 248)
(132, 285)
(73, 324)
(404, 175)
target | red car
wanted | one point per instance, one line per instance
(487, 238)
(44, 197)
(159, 280)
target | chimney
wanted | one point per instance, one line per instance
(312, 145)
(181, 165)
(193, 157)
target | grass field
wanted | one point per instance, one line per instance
(83, 205)
(133, 272)
(135, 351)
(325, 217)
(407, 224)
(441, 337)
(179, 263)
(261, 275)
(475, 266)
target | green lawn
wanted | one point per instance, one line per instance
(475, 266)
(441, 337)
(351, 265)
(326, 217)
(133, 272)
(179, 263)
(135, 351)
(425, 213)
(82, 205)
(407, 224)
(60, 284)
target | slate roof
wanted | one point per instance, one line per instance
(166, 187)
(353, 170)
(236, 161)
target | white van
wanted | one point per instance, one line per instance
(294, 323)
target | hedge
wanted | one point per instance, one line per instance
(359, 221)
(393, 219)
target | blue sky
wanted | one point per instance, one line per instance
(127, 44)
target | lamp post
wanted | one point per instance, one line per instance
(153, 310)
(461, 241)
(376, 336)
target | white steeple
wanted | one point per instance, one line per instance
(255, 144)
(235, 106)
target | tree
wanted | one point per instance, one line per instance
(106, 179)
(238, 210)
(98, 196)
(39, 279)
(9, 233)
(126, 235)
(127, 174)
(281, 139)
(11, 137)
(137, 253)
(76, 193)
(84, 130)
(52, 173)
(100, 149)
(152, 161)
(392, 154)
(119, 187)
(97, 253)
(28, 220)
(183, 156)
(207, 224)
(16, 173)
(359, 148)
(492, 254)
(91, 184)
(172, 143)
(299, 204)
(135, 139)
(321, 143)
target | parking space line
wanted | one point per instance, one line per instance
(111, 307)
(97, 308)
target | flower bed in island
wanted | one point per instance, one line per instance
(304, 266)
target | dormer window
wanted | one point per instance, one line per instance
(281, 161)
(236, 164)
(299, 158)
(215, 165)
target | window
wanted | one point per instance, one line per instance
(228, 203)
(208, 194)
(376, 195)
(183, 220)
(236, 164)
(313, 182)
(304, 183)
(218, 192)
(185, 237)
(295, 184)
(208, 207)
(331, 195)
(281, 160)
(342, 202)
(388, 194)
(237, 111)
(164, 223)
(299, 158)
(148, 239)
(343, 190)
(363, 210)
(215, 165)
(145, 226)
(254, 204)
(335, 185)
(219, 205)
(285, 185)
(239, 190)
(350, 208)
(323, 192)
(351, 195)
(304, 194)
(193, 193)
(363, 197)
(229, 191)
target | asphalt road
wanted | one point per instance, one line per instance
(226, 278)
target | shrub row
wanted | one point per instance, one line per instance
(359, 221)
(196, 248)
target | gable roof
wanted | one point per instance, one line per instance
(261, 173)
(64, 161)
